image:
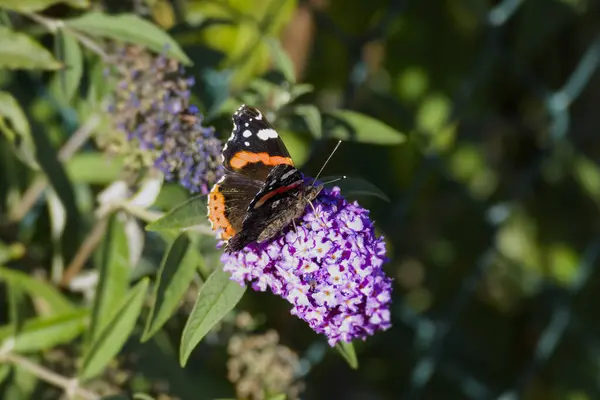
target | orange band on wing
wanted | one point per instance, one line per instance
(216, 214)
(242, 158)
(274, 192)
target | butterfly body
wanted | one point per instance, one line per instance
(262, 192)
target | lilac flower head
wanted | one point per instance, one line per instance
(329, 267)
(151, 108)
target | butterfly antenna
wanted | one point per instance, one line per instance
(327, 161)
(335, 180)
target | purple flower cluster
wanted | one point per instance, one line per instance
(329, 266)
(152, 108)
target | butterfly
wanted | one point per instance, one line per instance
(261, 191)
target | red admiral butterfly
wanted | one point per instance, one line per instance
(262, 191)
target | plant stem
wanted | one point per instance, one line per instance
(70, 386)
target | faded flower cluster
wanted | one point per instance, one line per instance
(329, 267)
(151, 107)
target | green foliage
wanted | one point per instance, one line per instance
(216, 298)
(469, 132)
(112, 336)
(20, 51)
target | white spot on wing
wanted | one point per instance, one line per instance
(247, 143)
(265, 134)
(259, 117)
(225, 147)
(247, 133)
(246, 124)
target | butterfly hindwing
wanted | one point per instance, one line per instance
(228, 201)
(254, 147)
(282, 199)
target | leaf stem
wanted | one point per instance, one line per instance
(54, 25)
(70, 386)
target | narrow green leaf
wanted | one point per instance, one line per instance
(38, 290)
(15, 126)
(19, 51)
(95, 168)
(353, 126)
(300, 90)
(312, 118)
(38, 5)
(354, 187)
(47, 157)
(115, 333)
(16, 307)
(45, 333)
(129, 28)
(281, 59)
(142, 396)
(114, 270)
(176, 272)
(188, 214)
(216, 298)
(346, 350)
(279, 396)
(66, 81)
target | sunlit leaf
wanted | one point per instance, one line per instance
(38, 5)
(115, 333)
(129, 28)
(188, 214)
(66, 81)
(218, 296)
(281, 59)
(312, 118)
(176, 272)
(352, 187)
(38, 290)
(346, 350)
(19, 51)
(15, 126)
(92, 167)
(353, 126)
(114, 270)
(45, 333)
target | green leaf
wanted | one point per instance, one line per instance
(114, 273)
(115, 333)
(66, 81)
(15, 126)
(281, 59)
(312, 118)
(19, 51)
(25, 6)
(352, 126)
(95, 168)
(216, 298)
(45, 333)
(129, 28)
(346, 350)
(38, 290)
(188, 214)
(352, 187)
(176, 272)
(142, 396)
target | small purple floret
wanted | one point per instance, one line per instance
(329, 267)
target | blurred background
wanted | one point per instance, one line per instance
(489, 208)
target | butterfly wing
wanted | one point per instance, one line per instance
(254, 146)
(281, 199)
(228, 201)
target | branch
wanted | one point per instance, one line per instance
(70, 386)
